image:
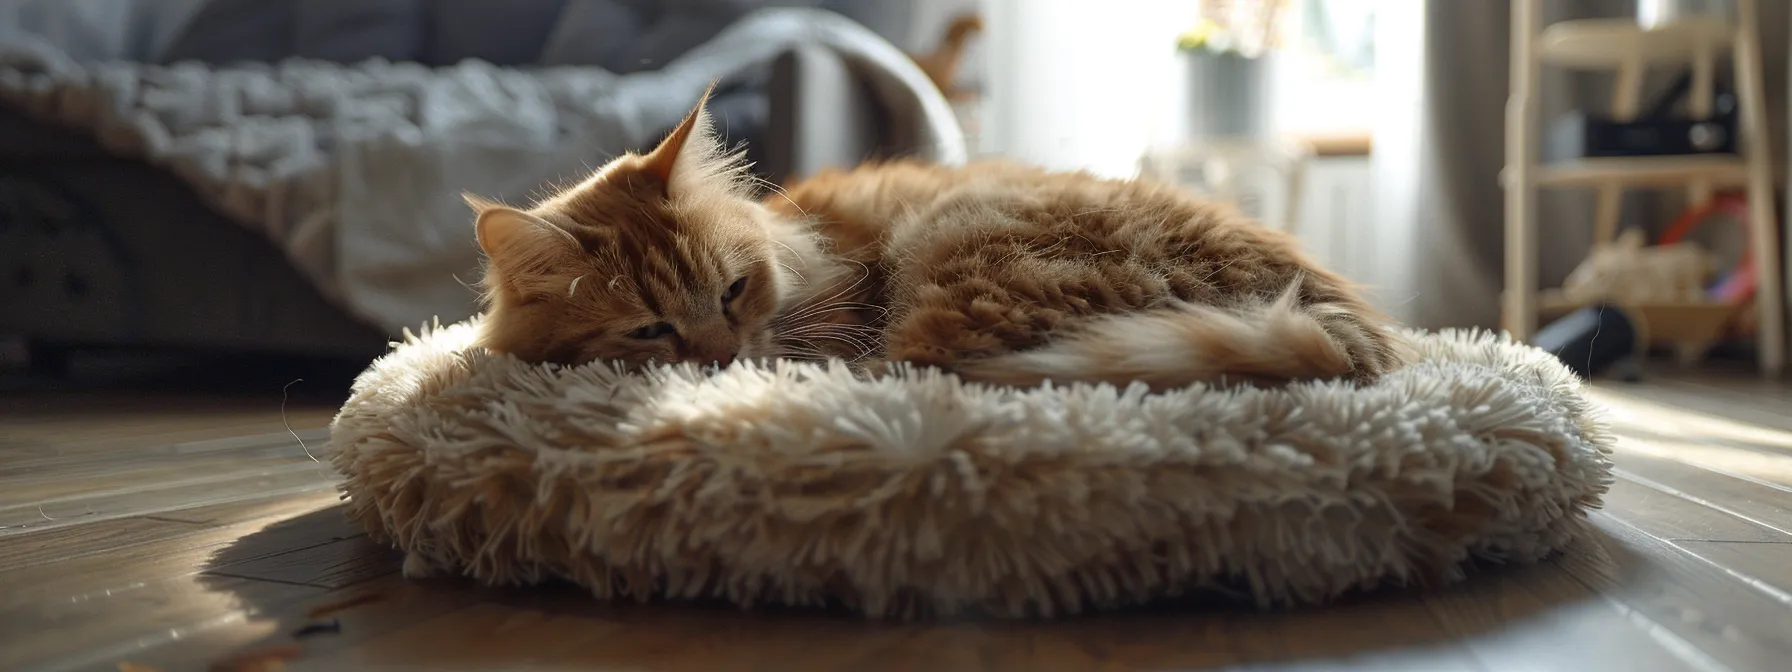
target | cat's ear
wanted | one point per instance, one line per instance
(690, 154)
(506, 233)
(478, 203)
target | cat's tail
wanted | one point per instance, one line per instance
(1267, 343)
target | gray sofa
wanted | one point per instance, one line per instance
(99, 251)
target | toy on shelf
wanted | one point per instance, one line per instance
(1738, 286)
(1672, 293)
(1628, 271)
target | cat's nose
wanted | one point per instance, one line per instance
(717, 357)
(712, 347)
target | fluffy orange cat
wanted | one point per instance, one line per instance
(998, 272)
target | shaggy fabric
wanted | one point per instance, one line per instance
(916, 495)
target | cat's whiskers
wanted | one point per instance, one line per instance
(784, 348)
(773, 187)
(809, 308)
(831, 327)
(807, 326)
(853, 332)
(865, 274)
(843, 306)
(797, 347)
(854, 344)
(799, 276)
(857, 347)
(786, 246)
(805, 316)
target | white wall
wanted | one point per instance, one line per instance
(1309, 97)
(1337, 205)
(1079, 84)
(1394, 170)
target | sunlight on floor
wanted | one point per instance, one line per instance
(1770, 470)
(1751, 452)
(1689, 425)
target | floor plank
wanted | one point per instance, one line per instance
(1758, 503)
(1541, 618)
(187, 493)
(336, 564)
(1667, 513)
(1409, 636)
(75, 634)
(401, 603)
(58, 464)
(1678, 419)
(1752, 466)
(58, 545)
(459, 641)
(90, 436)
(163, 550)
(1684, 602)
(1765, 567)
(1747, 399)
(47, 489)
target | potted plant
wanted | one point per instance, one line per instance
(1224, 58)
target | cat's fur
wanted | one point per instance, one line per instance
(999, 272)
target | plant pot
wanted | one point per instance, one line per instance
(1227, 95)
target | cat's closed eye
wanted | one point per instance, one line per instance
(652, 331)
(734, 290)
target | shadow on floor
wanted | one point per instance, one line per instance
(454, 624)
(149, 381)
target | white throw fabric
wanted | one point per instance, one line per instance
(355, 171)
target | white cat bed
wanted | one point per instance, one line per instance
(918, 495)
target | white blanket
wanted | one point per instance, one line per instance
(355, 171)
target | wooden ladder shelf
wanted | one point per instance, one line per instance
(1628, 49)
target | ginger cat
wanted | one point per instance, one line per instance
(1001, 273)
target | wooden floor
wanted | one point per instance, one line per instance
(175, 531)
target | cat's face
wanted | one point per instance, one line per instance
(659, 257)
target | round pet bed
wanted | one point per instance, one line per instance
(917, 495)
